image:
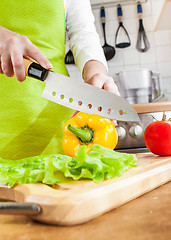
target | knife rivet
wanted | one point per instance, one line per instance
(54, 93)
(80, 103)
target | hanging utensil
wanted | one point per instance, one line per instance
(143, 44)
(69, 58)
(109, 51)
(121, 31)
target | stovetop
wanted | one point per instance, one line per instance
(131, 134)
(133, 150)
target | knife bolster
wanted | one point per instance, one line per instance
(35, 70)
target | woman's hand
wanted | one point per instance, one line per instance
(15, 47)
(95, 73)
(106, 83)
(103, 81)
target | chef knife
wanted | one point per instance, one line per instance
(81, 96)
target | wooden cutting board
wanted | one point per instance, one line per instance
(80, 201)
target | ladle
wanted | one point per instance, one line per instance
(109, 51)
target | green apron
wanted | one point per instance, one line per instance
(29, 124)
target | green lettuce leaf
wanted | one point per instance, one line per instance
(99, 164)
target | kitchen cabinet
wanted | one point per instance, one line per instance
(162, 17)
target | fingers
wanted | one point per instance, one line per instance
(33, 52)
(6, 65)
(1, 72)
(104, 82)
(97, 80)
(15, 47)
(114, 122)
(74, 113)
(110, 86)
(18, 65)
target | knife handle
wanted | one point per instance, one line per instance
(35, 70)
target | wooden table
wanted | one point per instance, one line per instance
(145, 218)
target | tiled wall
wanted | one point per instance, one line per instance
(157, 59)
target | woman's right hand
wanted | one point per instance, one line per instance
(13, 48)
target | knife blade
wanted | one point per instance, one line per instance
(81, 96)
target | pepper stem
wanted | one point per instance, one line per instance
(85, 134)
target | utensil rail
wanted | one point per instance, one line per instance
(96, 5)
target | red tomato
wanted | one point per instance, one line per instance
(157, 137)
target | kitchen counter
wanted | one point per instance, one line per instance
(147, 217)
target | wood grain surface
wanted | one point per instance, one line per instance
(80, 201)
(152, 107)
(145, 218)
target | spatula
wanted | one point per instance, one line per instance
(143, 44)
(81, 96)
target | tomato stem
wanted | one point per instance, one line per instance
(154, 118)
(163, 117)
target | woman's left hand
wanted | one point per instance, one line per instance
(95, 73)
(103, 81)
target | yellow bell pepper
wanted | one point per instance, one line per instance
(88, 130)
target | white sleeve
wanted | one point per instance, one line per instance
(83, 38)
